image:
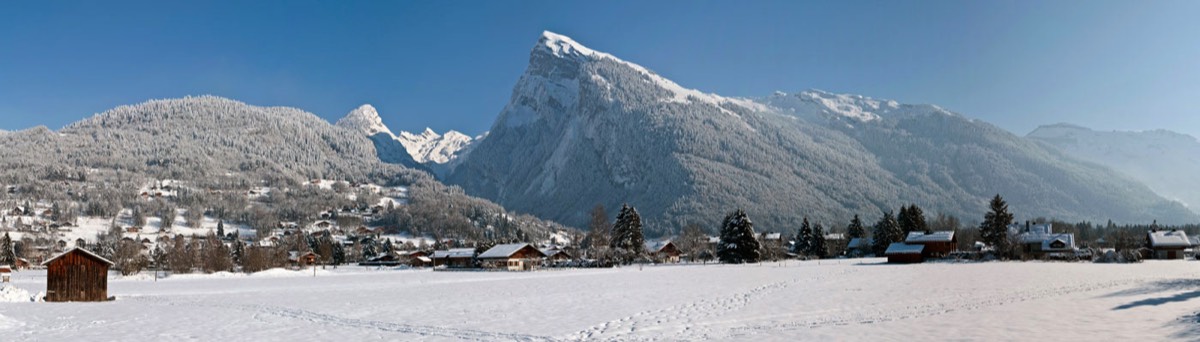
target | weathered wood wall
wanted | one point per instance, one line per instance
(75, 277)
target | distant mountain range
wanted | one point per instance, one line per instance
(1167, 162)
(428, 150)
(584, 127)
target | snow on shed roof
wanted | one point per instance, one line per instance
(941, 236)
(656, 246)
(1067, 239)
(903, 248)
(85, 251)
(505, 251)
(455, 253)
(1173, 238)
(860, 242)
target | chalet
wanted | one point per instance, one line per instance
(454, 258)
(415, 258)
(77, 275)
(298, 259)
(21, 264)
(80, 243)
(663, 251)
(835, 243)
(1167, 244)
(363, 230)
(323, 225)
(902, 253)
(1039, 240)
(133, 230)
(513, 257)
(5, 274)
(555, 255)
(937, 244)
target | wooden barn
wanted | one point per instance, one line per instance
(937, 244)
(901, 253)
(454, 258)
(555, 255)
(77, 275)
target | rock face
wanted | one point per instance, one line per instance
(427, 151)
(1166, 161)
(585, 128)
(366, 119)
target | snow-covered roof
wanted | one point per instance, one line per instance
(1173, 238)
(835, 236)
(860, 242)
(504, 251)
(454, 253)
(903, 248)
(553, 251)
(656, 246)
(424, 259)
(1068, 241)
(918, 237)
(85, 251)
(772, 236)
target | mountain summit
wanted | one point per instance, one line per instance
(365, 119)
(583, 127)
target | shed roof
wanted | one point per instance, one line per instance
(903, 248)
(941, 236)
(860, 242)
(84, 251)
(1172, 238)
(505, 251)
(656, 246)
(455, 253)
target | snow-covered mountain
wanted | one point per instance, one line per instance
(427, 150)
(1166, 161)
(584, 127)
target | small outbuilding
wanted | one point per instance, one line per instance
(454, 258)
(77, 275)
(937, 244)
(902, 253)
(663, 251)
(1168, 244)
(555, 255)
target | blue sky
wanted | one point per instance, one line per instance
(452, 64)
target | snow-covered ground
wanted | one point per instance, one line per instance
(827, 301)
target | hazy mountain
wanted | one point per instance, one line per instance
(1166, 161)
(427, 151)
(585, 128)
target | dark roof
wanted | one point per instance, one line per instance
(86, 252)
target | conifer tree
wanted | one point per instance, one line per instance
(221, 229)
(886, 232)
(856, 229)
(817, 240)
(903, 220)
(803, 239)
(627, 236)
(916, 219)
(738, 242)
(994, 228)
(8, 255)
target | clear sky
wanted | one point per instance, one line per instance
(452, 64)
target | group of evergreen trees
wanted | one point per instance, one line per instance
(810, 241)
(738, 243)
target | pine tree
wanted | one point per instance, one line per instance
(627, 235)
(916, 218)
(738, 243)
(887, 231)
(8, 255)
(817, 240)
(221, 229)
(904, 221)
(803, 239)
(855, 229)
(994, 228)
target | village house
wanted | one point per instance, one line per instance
(663, 251)
(1039, 240)
(1167, 244)
(557, 256)
(835, 244)
(415, 259)
(382, 260)
(77, 275)
(858, 247)
(454, 258)
(937, 244)
(902, 253)
(301, 260)
(513, 257)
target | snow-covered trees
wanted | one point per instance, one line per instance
(817, 247)
(856, 229)
(887, 231)
(128, 258)
(738, 244)
(912, 219)
(994, 228)
(8, 254)
(803, 239)
(627, 238)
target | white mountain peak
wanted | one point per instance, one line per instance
(429, 146)
(366, 119)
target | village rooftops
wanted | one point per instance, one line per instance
(1172, 238)
(84, 251)
(919, 237)
(903, 248)
(454, 253)
(656, 246)
(505, 251)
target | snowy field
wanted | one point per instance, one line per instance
(848, 301)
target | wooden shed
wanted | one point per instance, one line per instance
(77, 275)
(901, 253)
